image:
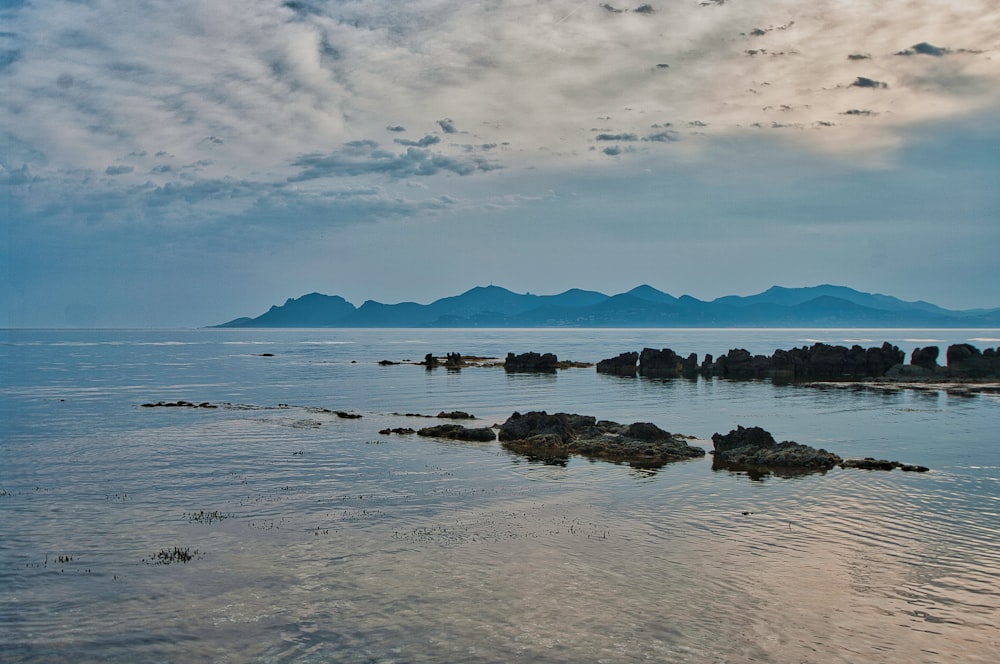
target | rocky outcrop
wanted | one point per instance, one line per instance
(819, 362)
(739, 363)
(665, 363)
(926, 358)
(966, 361)
(755, 451)
(623, 365)
(870, 463)
(557, 436)
(455, 415)
(178, 404)
(754, 446)
(458, 432)
(531, 363)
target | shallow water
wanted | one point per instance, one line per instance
(315, 538)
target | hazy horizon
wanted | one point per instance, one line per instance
(177, 164)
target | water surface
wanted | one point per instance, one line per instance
(315, 538)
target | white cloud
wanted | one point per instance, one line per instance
(91, 82)
(205, 119)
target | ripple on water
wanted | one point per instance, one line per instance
(341, 544)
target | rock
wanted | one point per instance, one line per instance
(817, 362)
(666, 363)
(531, 363)
(690, 367)
(925, 357)
(403, 431)
(178, 404)
(623, 365)
(458, 432)
(741, 437)
(557, 436)
(911, 372)
(455, 415)
(869, 463)
(966, 361)
(540, 423)
(756, 447)
(663, 363)
(739, 363)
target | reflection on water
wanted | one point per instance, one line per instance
(341, 544)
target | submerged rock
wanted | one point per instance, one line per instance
(458, 432)
(870, 463)
(179, 404)
(455, 415)
(559, 435)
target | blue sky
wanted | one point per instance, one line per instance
(182, 163)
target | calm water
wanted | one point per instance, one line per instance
(316, 539)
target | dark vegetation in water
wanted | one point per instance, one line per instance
(343, 414)
(201, 516)
(174, 555)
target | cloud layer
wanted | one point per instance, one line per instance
(183, 114)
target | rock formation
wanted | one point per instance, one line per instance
(531, 363)
(557, 436)
(870, 463)
(666, 363)
(623, 365)
(458, 432)
(925, 357)
(819, 362)
(966, 361)
(754, 446)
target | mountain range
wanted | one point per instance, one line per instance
(643, 306)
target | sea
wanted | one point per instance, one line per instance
(280, 525)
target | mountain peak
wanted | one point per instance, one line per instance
(650, 294)
(825, 305)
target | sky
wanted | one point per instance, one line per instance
(180, 163)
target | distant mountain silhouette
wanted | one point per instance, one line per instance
(643, 306)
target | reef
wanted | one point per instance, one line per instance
(819, 362)
(556, 437)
